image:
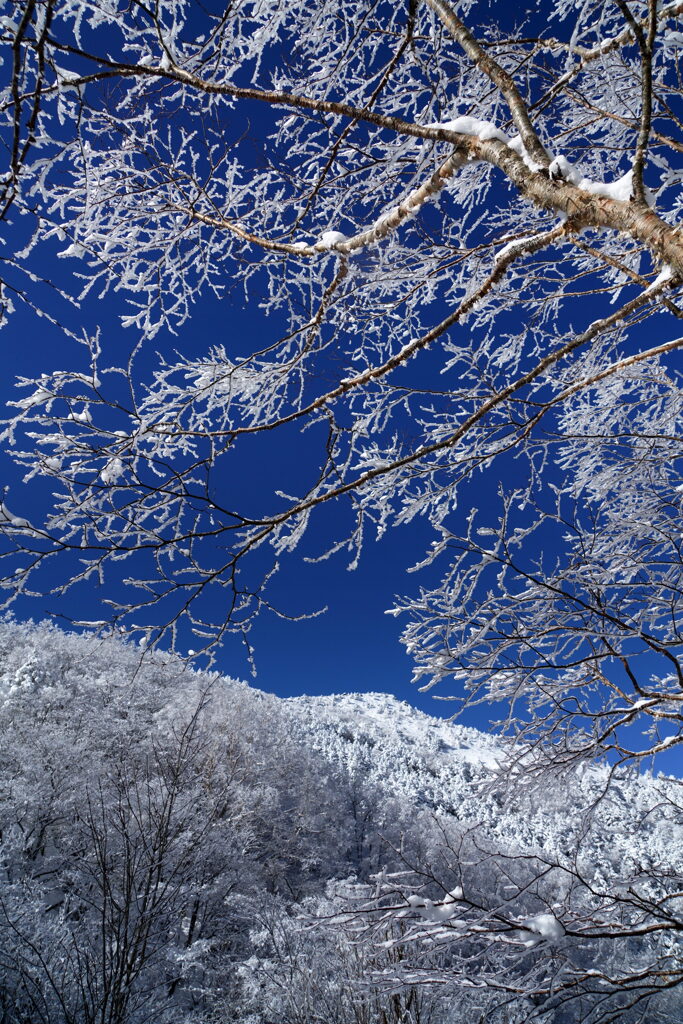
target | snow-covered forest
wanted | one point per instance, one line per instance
(180, 847)
(441, 244)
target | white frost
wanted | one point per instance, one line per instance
(621, 189)
(39, 397)
(517, 146)
(112, 471)
(510, 247)
(435, 913)
(75, 249)
(665, 274)
(7, 517)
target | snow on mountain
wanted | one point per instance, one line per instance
(450, 770)
(251, 824)
(396, 746)
(373, 718)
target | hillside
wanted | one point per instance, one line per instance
(181, 848)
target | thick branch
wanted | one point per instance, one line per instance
(585, 208)
(500, 78)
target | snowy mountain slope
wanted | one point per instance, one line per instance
(449, 769)
(273, 818)
(373, 718)
(431, 763)
(397, 746)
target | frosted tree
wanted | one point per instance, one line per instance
(142, 821)
(124, 828)
(452, 233)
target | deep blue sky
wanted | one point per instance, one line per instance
(355, 645)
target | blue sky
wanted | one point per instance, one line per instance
(354, 645)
